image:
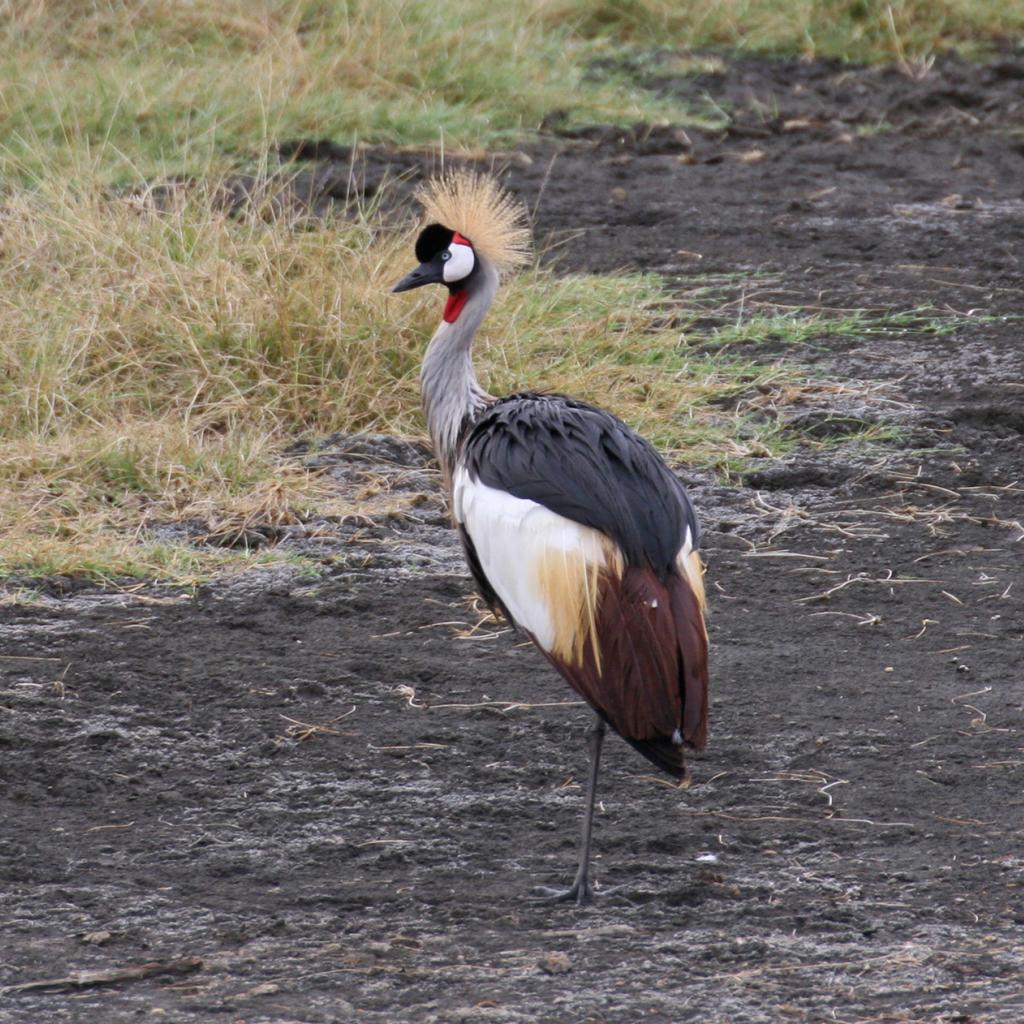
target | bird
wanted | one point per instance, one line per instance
(572, 524)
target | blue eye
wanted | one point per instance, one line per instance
(446, 255)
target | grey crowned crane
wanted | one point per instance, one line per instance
(572, 524)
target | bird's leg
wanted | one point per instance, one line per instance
(582, 891)
(581, 887)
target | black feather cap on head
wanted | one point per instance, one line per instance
(434, 238)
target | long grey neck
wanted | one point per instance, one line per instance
(451, 393)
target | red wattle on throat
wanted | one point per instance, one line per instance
(453, 307)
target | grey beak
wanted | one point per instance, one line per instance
(425, 273)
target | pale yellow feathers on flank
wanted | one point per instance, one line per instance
(691, 567)
(571, 582)
(478, 208)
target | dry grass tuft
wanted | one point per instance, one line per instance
(157, 359)
(160, 356)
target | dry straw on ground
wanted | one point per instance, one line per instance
(161, 353)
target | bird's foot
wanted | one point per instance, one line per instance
(581, 895)
(581, 892)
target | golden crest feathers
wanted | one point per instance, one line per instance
(478, 208)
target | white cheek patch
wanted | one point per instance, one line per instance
(461, 263)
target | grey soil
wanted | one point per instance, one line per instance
(337, 793)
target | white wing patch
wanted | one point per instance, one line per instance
(545, 568)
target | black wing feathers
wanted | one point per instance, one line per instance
(583, 463)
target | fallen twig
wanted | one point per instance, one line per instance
(110, 976)
(302, 731)
(408, 693)
(862, 577)
(800, 821)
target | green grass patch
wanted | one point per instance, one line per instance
(134, 90)
(902, 31)
(131, 90)
(799, 327)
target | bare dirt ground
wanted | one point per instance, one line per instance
(327, 799)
